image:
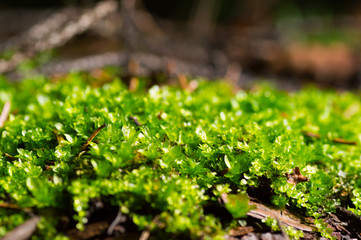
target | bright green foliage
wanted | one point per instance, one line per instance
(166, 154)
(237, 205)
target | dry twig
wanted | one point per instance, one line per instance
(335, 140)
(285, 217)
(119, 219)
(85, 145)
(59, 37)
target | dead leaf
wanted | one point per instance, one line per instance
(133, 84)
(133, 67)
(184, 84)
(296, 177)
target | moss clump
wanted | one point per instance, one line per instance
(164, 156)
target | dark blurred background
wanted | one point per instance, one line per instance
(292, 41)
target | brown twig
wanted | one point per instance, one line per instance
(5, 113)
(85, 145)
(343, 141)
(313, 135)
(10, 156)
(135, 120)
(335, 140)
(13, 206)
(9, 206)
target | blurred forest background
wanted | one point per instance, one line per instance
(290, 42)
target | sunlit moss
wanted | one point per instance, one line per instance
(167, 153)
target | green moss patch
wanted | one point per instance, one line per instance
(165, 158)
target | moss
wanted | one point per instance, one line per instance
(163, 155)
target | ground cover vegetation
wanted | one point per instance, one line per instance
(173, 162)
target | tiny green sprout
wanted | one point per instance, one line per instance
(272, 223)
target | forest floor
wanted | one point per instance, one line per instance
(147, 46)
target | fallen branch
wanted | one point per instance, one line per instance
(284, 234)
(285, 217)
(146, 65)
(23, 231)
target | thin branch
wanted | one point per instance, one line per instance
(85, 145)
(61, 36)
(40, 30)
(135, 120)
(119, 219)
(9, 206)
(147, 64)
(343, 141)
(83, 23)
(335, 140)
(145, 235)
(10, 156)
(287, 218)
(313, 135)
